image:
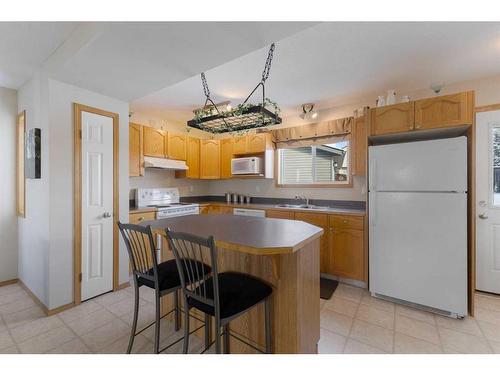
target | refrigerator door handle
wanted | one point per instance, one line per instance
(372, 175)
(372, 212)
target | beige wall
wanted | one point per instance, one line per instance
(487, 92)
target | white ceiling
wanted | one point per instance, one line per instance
(25, 46)
(332, 64)
(130, 60)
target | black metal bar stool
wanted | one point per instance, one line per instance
(163, 278)
(225, 295)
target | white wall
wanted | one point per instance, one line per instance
(33, 230)
(61, 99)
(8, 215)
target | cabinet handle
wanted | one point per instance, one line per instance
(418, 126)
(344, 221)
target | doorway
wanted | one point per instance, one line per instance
(488, 200)
(96, 202)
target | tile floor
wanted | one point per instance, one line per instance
(351, 322)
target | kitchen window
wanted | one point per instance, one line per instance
(326, 164)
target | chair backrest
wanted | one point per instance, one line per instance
(193, 254)
(141, 250)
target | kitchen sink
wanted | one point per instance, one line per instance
(302, 206)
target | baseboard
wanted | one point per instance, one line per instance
(123, 286)
(357, 283)
(44, 308)
(8, 282)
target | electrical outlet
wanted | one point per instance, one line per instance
(191, 188)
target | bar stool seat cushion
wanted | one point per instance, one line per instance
(237, 292)
(168, 275)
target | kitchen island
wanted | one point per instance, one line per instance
(285, 254)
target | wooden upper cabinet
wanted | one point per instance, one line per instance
(155, 142)
(226, 154)
(177, 146)
(193, 158)
(359, 146)
(136, 154)
(444, 111)
(240, 145)
(257, 142)
(394, 118)
(209, 159)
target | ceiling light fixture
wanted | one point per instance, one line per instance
(308, 112)
(245, 116)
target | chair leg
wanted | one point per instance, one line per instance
(217, 336)
(225, 332)
(267, 312)
(157, 325)
(185, 347)
(177, 311)
(207, 331)
(134, 322)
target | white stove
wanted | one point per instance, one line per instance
(167, 202)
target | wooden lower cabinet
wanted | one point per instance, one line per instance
(138, 217)
(215, 210)
(347, 253)
(280, 214)
(320, 220)
(204, 210)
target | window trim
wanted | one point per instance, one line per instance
(277, 174)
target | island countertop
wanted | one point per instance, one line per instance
(254, 235)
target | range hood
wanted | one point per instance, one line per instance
(162, 163)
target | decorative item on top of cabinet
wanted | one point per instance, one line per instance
(136, 152)
(155, 142)
(226, 154)
(359, 146)
(209, 159)
(347, 247)
(177, 146)
(444, 111)
(393, 118)
(320, 220)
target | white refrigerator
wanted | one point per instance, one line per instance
(418, 224)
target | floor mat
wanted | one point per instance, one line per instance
(327, 287)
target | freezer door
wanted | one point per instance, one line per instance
(418, 248)
(437, 165)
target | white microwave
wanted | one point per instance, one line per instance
(247, 166)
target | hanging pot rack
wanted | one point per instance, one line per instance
(244, 116)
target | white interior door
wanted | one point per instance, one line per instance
(97, 205)
(488, 201)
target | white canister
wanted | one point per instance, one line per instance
(380, 101)
(405, 99)
(391, 97)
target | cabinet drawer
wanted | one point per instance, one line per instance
(348, 222)
(279, 214)
(320, 220)
(139, 217)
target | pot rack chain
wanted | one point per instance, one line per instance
(267, 67)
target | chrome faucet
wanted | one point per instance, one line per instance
(304, 198)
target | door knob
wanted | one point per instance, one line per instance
(106, 215)
(483, 216)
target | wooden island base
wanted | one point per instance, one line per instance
(295, 303)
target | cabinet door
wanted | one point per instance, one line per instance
(155, 142)
(392, 118)
(280, 214)
(240, 145)
(204, 210)
(226, 154)
(256, 143)
(177, 146)
(443, 111)
(320, 220)
(136, 152)
(359, 146)
(347, 258)
(209, 159)
(193, 158)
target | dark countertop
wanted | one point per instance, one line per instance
(254, 235)
(257, 206)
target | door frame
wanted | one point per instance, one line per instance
(77, 188)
